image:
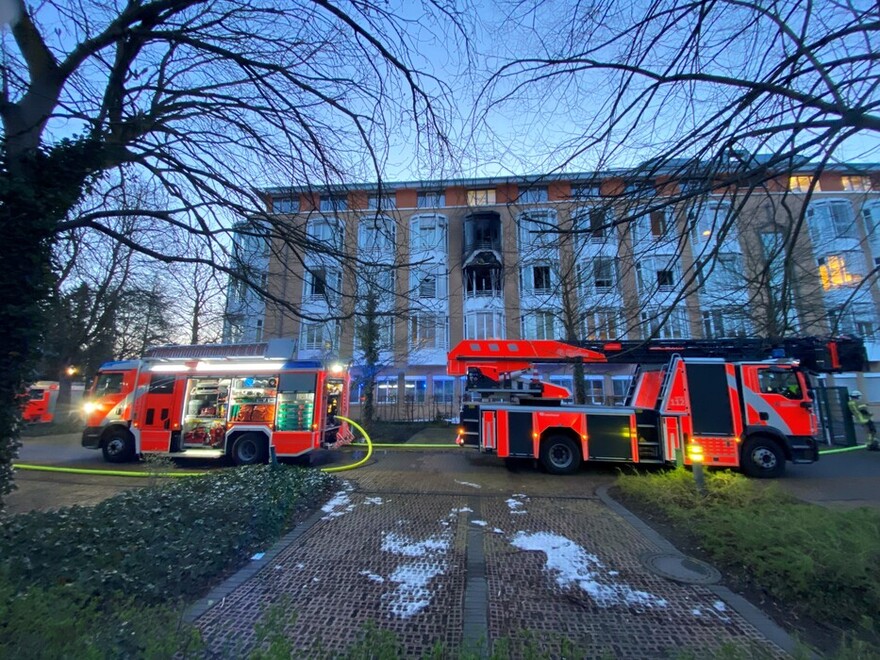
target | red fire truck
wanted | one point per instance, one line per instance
(41, 399)
(242, 401)
(740, 404)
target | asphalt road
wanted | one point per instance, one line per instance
(848, 480)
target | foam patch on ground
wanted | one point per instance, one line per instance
(572, 566)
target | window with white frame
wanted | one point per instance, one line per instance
(322, 283)
(539, 325)
(333, 204)
(662, 323)
(598, 275)
(657, 274)
(831, 219)
(856, 183)
(710, 219)
(285, 205)
(722, 275)
(595, 224)
(724, 322)
(603, 323)
(427, 232)
(484, 325)
(431, 199)
(258, 335)
(325, 231)
(443, 389)
(857, 318)
(319, 336)
(385, 390)
(429, 282)
(482, 197)
(801, 183)
(619, 389)
(594, 387)
(386, 202)
(536, 195)
(376, 233)
(428, 331)
(415, 389)
(654, 226)
(375, 281)
(842, 269)
(871, 215)
(538, 229)
(773, 249)
(538, 279)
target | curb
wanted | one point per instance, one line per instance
(753, 615)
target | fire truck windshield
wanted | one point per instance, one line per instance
(108, 384)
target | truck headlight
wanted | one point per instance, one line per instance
(89, 407)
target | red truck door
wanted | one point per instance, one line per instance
(776, 396)
(158, 411)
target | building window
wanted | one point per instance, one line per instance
(325, 232)
(619, 389)
(428, 331)
(319, 336)
(334, 204)
(586, 191)
(539, 325)
(429, 283)
(381, 202)
(538, 229)
(856, 183)
(661, 323)
(428, 232)
(725, 322)
(711, 219)
(385, 390)
(536, 195)
(594, 387)
(322, 283)
(444, 389)
(721, 276)
(844, 269)
(596, 224)
(384, 329)
(484, 325)
(598, 275)
(258, 335)
(831, 219)
(285, 205)
(538, 279)
(653, 226)
(801, 184)
(484, 197)
(857, 318)
(656, 274)
(376, 233)
(603, 323)
(415, 389)
(431, 199)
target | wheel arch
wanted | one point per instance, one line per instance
(567, 431)
(767, 432)
(237, 433)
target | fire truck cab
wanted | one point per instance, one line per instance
(747, 414)
(41, 399)
(242, 401)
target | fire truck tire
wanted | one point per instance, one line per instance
(118, 446)
(560, 455)
(250, 449)
(763, 458)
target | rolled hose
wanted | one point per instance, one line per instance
(129, 473)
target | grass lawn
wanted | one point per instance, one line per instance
(820, 564)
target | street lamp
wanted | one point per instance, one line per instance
(695, 453)
(72, 371)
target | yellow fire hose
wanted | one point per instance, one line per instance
(129, 473)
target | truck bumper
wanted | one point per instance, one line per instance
(804, 449)
(91, 437)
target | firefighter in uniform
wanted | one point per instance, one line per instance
(861, 415)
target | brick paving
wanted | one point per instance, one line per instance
(449, 548)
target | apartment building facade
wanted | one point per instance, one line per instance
(603, 255)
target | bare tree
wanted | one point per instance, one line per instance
(695, 103)
(207, 98)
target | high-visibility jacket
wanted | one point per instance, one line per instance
(860, 413)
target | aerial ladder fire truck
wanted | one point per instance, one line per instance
(242, 401)
(739, 404)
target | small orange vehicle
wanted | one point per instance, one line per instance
(243, 401)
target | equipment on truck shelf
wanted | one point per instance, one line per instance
(735, 403)
(237, 400)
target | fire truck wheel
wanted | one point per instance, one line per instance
(249, 449)
(118, 447)
(560, 455)
(763, 458)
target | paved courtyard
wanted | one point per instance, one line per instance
(453, 548)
